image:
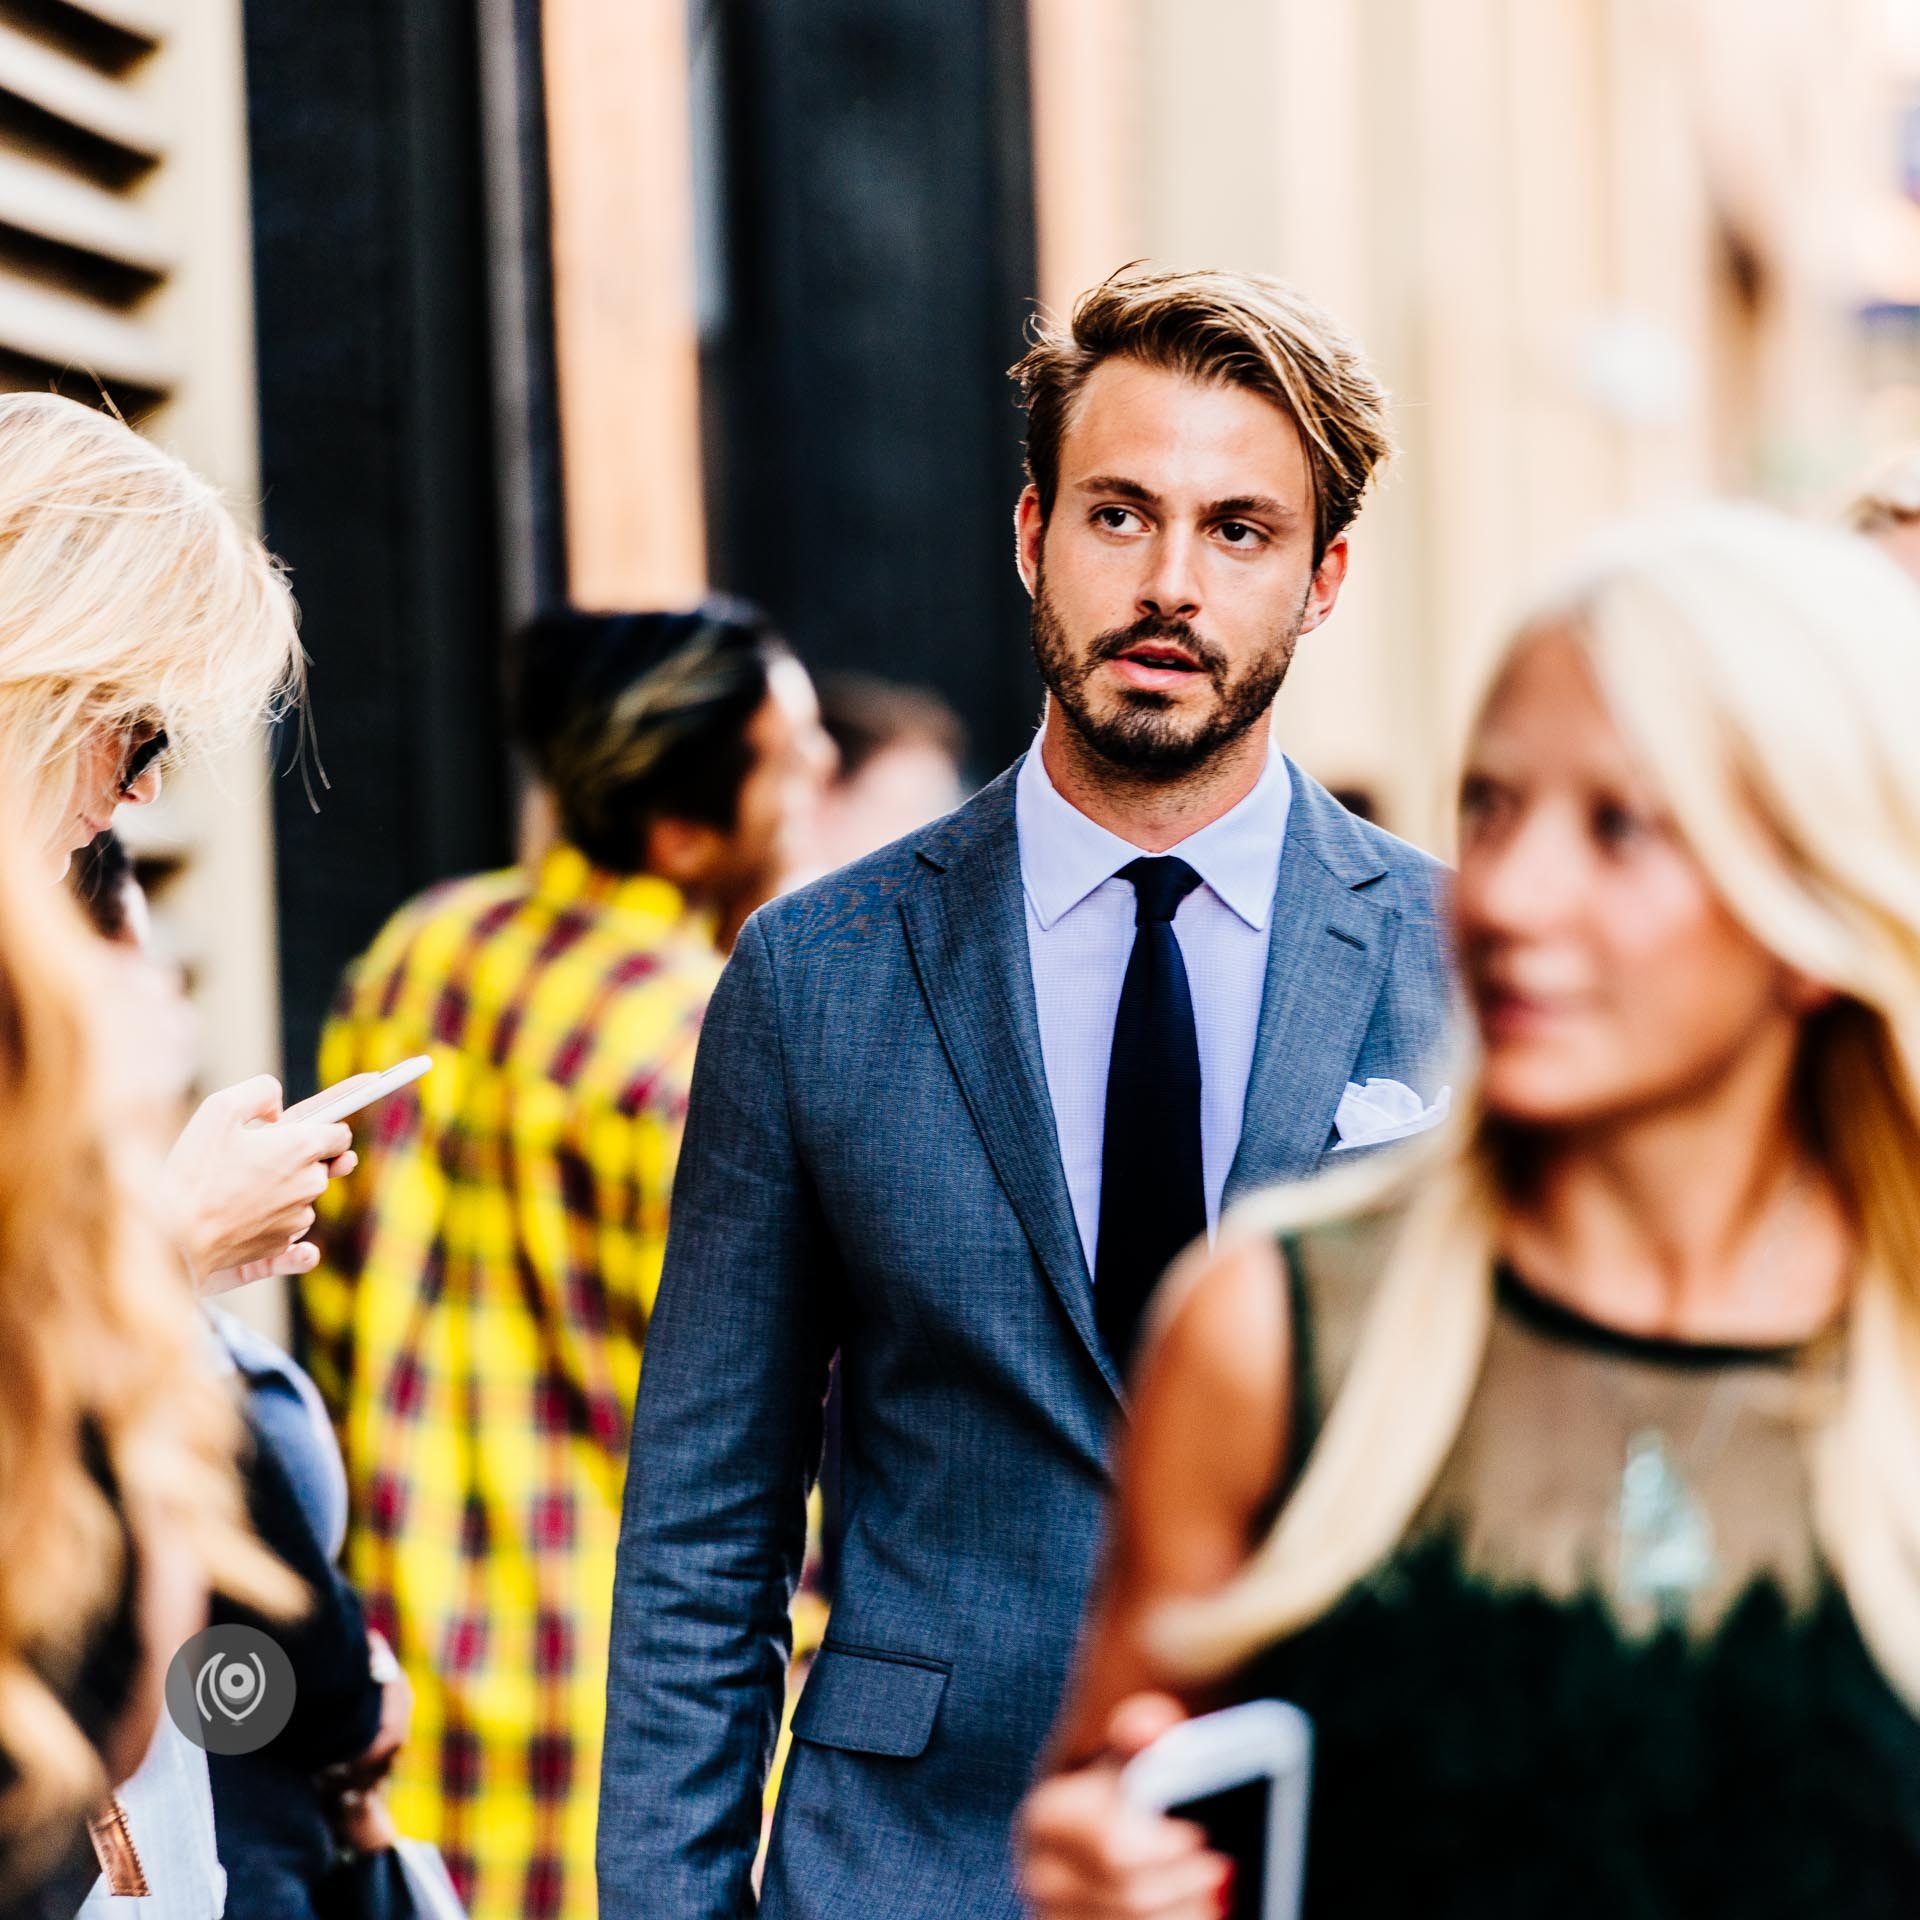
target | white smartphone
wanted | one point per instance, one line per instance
(348, 1097)
(1242, 1775)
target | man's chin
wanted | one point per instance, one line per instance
(1150, 739)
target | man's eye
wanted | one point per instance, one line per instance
(1236, 533)
(1116, 519)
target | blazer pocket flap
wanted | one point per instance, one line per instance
(869, 1703)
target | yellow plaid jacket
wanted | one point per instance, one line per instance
(476, 1327)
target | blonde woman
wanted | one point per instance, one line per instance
(1570, 1477)
(118, 1503)
(141, 626)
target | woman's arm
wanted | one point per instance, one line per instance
(169, 1608)
(1197, 1468)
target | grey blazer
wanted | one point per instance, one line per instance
(871, 1167)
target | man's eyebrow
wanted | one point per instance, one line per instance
(1115, 483)
(1259, 506)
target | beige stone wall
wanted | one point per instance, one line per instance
(619, 159)
(125, 264)
(219, 909)
(1602, 251)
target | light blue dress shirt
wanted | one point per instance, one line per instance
(1080, 936)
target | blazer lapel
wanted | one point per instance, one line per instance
(1326, 960)
(966, 927)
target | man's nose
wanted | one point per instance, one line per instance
(1171, 590)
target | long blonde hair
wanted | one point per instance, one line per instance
(101, 1344)
(1767, 676)
(129, 595)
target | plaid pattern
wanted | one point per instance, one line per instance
(476, 1328)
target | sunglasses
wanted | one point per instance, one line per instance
(141, 755)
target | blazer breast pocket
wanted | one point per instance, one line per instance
(864, 1701)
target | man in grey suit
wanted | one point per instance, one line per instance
(957, 1104)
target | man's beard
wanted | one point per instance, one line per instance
(1143, 733)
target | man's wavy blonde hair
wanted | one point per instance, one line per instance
(1766, 674)
(129, 596)
(1243, 330)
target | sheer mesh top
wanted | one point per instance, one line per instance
(1664, 1476)
(1606, 1671)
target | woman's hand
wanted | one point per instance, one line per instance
(356, 1806)
(396, 1712)
(1084, 1854)
(242, 1194)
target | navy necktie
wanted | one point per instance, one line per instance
(1153, 1197)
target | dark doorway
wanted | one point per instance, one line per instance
(378, 441)
(868, 264)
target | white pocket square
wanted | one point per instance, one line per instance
(1384, 1110)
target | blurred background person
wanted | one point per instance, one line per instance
(902, 758)
(119, 1505)
(478, 1322)
(1593, 1437)
(257, 1836)
(901, 751)
(160, 1820)
(902, 755)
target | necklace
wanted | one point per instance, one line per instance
(1667, 1553)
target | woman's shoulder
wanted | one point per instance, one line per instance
(1223, 1320)
(1230, 1319)
(1333, 1271)
(1211, 1403)
(1339, 1262)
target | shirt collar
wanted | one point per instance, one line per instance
(1064, 855)
(568, 878)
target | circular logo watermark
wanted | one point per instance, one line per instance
(230, 1689)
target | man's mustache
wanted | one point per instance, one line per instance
(1110, 646)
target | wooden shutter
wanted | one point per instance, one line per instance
(84, 141)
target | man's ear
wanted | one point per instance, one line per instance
(1328, 578)
(1029, 530)
(682, 851)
